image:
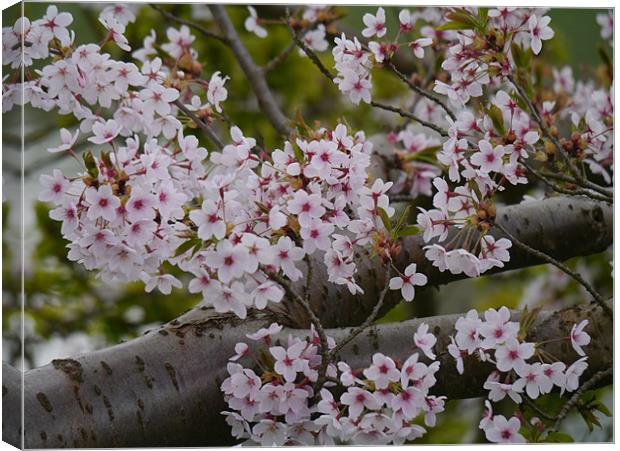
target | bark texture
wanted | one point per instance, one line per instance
(562, 227)
(162, 389)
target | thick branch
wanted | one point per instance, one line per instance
(162, 389)
(561, 227)
(255, 75)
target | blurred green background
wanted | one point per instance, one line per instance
(69, 310)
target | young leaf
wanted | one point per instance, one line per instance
(408, 230)
(558, 437)
(385, 219)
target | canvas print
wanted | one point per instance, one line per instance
(306, 225)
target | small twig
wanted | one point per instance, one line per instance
(189, 23)
(254, 74)
(569, 179)
(201, 124)
(371, 318)
(407, 114)
(276, 60)
(308, 279)
(577, 395)
(576, 276)
(313, 319)
(538, 410)
(559, 189)
(307, 50)
(325, 71)
(571, 167)
(423, 92)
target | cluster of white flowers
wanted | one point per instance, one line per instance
(499, 341)
(353, 65)
(240, 221)
(149, 199)
(482, 156)
(465, 62)
(278, 406)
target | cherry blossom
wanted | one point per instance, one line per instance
(425, 341)
(105, 132)
(252, 24)
(375, 25)
(540, 31)
(407, 281)
(501, 430)
(382, 371)
(579, 338)
(67, 141)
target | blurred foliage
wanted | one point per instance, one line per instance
(62, 298)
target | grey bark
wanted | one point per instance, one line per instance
(162, 389)
(254, 74)
(562, 227)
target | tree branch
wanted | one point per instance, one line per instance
(162, 389)
(547, 225)
(576, 276)
(196, 26)
(254, 74)
(325, 71)
(206, 128)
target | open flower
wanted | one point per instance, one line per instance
(406, 282)
(578, 337)
(67, 141)
(374, 24)
(425, 341)
(251, 24)
(105, 132)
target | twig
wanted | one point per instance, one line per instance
(200, 123)
(559, 189)
(576, 276)
(276, 60)
(371, 318)
(569, 179)
(571, 167)
(325, 71)
(407, 114)
(577, 395)
(313, 319)
(189, 23)
(254, 74)
(423, 92)
(307, 50)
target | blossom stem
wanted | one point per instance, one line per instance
(369, 320)
(576, 276)
(590, 383)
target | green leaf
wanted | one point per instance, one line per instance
(603, 409)
(186, 246)
(520, 55)
(409, 230)
(484, 15)
(495, 113)
(299, 155)
(558, 437)
(403, 217)
(455, 26)
(385, 219)
(91, 164)
(427, 155)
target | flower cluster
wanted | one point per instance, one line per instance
(148, 199)
(500, 341)
(378, 405)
